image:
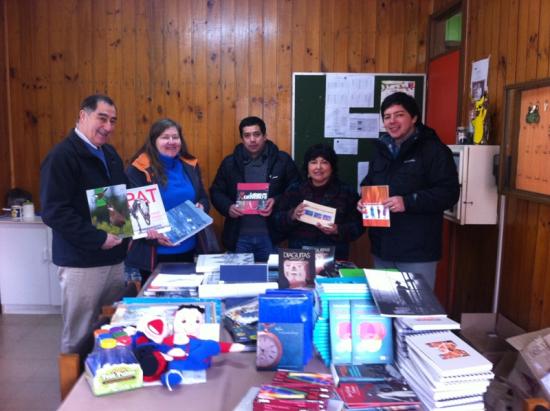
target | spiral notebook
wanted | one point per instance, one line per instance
(447, 354)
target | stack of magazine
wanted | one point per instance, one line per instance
(173, 280)
(445, 371)
(406, 326)
(232, 275)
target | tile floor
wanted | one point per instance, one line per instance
(29, 346)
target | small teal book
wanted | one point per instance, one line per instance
(371, 335)
(340, 331)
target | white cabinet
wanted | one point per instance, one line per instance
(478, 199)
(28, 278)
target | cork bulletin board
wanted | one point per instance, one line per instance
(525, 161)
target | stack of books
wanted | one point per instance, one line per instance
(373, 386)
(232, 275)
(445, 371)
(285, 324)
(406, 326)
(173, 280)
(335, 289)
(295, 391)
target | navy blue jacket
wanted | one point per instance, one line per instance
(425, 175)
(66, 173)
(281, 172)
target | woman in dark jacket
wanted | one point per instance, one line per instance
(164, 160)
(322, 187)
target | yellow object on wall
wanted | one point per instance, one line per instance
(479, 120)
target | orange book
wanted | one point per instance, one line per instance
(374, 213)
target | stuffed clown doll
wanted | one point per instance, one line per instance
(164, 355)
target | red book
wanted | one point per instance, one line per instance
(252, 197)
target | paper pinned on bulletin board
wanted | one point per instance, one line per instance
(362, 171)
(345, 146)
(479, 79)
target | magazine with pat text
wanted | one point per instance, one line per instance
(146, 210)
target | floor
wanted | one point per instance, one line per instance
(29, 346)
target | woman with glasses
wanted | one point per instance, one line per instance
(164, 160)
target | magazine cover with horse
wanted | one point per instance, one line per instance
(146, 210)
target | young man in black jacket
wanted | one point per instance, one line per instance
(255, 160)
(423, 181)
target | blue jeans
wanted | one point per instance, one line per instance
(260, 245)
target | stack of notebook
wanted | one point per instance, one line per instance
(406, 326)
(445, 372)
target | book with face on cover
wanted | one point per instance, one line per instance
(447, 354)
(147, 210)
(252, 197)
(109, 210)
(296, 267)
(374, 212)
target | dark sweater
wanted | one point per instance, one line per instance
(335, 194)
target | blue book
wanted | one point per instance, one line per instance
(340, 331)
(371, 335)
(280, 346)
(176, 268)
(290, 306)
(246, 273)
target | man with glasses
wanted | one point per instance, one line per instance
(255, 160)
(90, 261)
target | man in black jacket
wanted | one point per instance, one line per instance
(90, 261)
(423, 182)
(255, 160)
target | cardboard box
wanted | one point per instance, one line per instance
(487, 333)
(531, 374)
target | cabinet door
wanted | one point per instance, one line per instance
(24, 267)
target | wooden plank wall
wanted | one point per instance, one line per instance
(204, 63)
(5, 163)
(516, 36)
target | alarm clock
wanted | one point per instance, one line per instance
(269, 350)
